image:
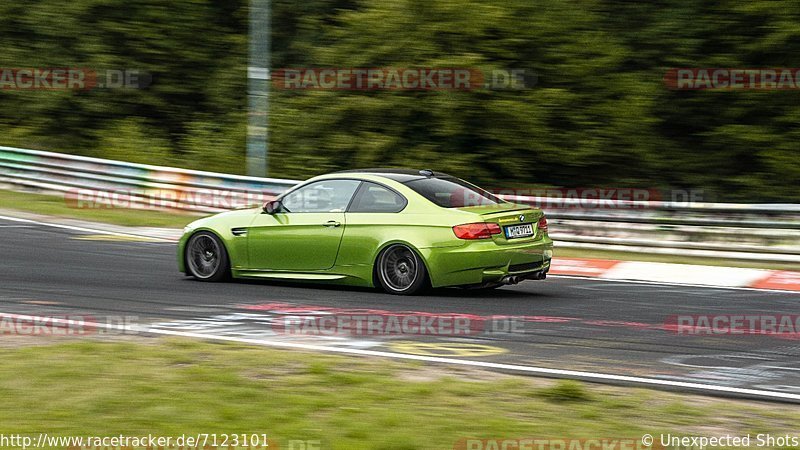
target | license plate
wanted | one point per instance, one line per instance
(519, 231)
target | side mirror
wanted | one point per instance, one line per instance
(272, 207)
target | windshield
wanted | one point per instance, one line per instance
(451, 192)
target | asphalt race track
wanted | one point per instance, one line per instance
(584, 325)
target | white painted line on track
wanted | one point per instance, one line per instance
(671, 283)
(82, 229)
(560, 373)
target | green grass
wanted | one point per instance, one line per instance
(675, 259)
(54, 205)
(172, 387)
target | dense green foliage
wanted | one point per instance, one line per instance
(600, 114)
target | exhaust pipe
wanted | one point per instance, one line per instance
(514, 279)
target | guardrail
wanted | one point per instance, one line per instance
(140, 185)
(766, 232)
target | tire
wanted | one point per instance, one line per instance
(206, 258)
(400, 271)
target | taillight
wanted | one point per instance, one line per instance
(479, 230)
(543, 224)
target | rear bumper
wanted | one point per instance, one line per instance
(484, 261)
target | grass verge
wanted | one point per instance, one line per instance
(171, 387)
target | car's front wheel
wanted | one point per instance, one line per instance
(206, 257)
(401, 271)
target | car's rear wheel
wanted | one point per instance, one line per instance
(401, 271)
(206, 257)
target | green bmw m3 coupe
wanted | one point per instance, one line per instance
(399, 230)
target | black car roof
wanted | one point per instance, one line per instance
(401, 175)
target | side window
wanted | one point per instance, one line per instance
(322, 196)
(374, 198)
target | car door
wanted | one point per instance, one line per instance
(371, 219)
(305, 233)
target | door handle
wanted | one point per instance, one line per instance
(332, 224)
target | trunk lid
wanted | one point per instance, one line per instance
(512, 219)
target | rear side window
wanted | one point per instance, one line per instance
(374, 198)
(451, 192)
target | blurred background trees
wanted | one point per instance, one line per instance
(600, 114)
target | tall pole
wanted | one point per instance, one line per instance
(258, 88)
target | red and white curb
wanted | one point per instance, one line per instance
(690, 274)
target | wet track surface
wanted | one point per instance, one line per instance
(561, 323)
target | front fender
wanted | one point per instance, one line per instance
(221, 226)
